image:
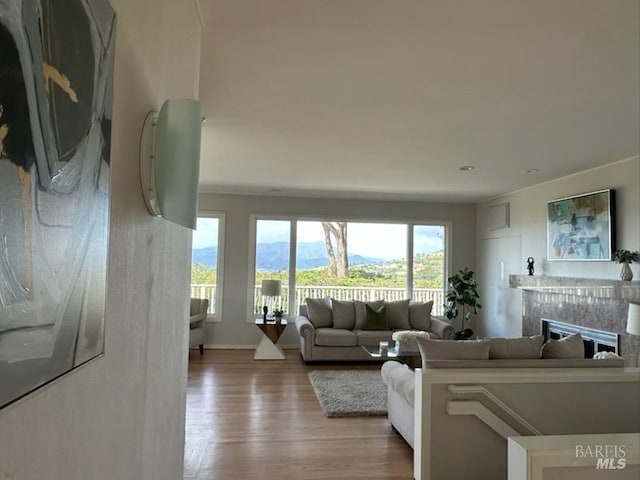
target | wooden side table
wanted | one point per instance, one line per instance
(267, 348)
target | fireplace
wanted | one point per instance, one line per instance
(595, 306)
(594, 340)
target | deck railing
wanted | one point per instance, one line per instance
(339, 293)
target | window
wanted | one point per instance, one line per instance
(272, 260)
(428, 269)
(206, 262)
(349, 260)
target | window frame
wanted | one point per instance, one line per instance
(216, 317)
(293, 223)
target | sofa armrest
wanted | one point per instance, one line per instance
(442, 328)
(196, 321)
(399, 378)
(307, 333)
(304, 326)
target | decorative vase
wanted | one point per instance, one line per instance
(626, 273)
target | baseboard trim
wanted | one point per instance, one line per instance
(246, 347)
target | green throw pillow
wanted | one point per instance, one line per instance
(376, 319)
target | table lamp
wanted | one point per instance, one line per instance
(633, 321)
(270, 289)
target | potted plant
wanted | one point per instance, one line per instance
(278, 314)
(625, 257)
(462, 296)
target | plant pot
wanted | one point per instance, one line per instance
(465, 334)
(626, 274)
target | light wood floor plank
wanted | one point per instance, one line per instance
(251, 420)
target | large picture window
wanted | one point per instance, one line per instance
(206, 262)
(349, 260)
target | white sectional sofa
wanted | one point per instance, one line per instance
(332, 330)
(457, 414)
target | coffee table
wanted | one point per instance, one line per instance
(408, 355)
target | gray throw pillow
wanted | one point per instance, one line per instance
(319, 312)
(570, 346)
(398, 315)
(522, 347)
(361, 311)
(452, 349)
(344, 314)
(420, 315)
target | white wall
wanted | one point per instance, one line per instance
(526, 237)
(122, 415)
(234, 331)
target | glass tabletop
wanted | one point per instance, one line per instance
(392, 352)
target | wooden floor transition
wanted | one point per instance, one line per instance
(249, 420)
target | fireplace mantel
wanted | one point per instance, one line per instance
(590, 302)
(584, 287)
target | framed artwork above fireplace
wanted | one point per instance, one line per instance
(581, 227)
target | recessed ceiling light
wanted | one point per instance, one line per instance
(466, 168)
(529, 171)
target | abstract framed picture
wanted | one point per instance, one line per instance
(56, 69)
(581, 227)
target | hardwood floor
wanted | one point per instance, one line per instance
(251, 419)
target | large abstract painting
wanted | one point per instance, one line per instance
(56, 64)
(581, 227)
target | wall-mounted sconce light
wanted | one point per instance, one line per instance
(170, 161)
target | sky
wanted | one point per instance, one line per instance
(206, 233)
(369, 239)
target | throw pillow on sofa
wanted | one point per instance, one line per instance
(420, 315)
(398, 315)
(570, 346)
(344, 314)
(453, 349)
(521, 347)
(376, 319)
(319, 312)
(361, 311)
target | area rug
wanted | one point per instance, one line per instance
(350, 393)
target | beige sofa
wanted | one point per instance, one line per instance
(494, 353)
(479, 403)
(332, 330)
(400, 381)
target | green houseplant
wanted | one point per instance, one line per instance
(621, 256)
(625, 257)
(462, 297)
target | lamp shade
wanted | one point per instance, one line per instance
(271, 288)
(633, 319)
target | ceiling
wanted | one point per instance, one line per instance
(388, 98)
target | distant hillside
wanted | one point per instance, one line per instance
(204, 256)
(275, 256)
